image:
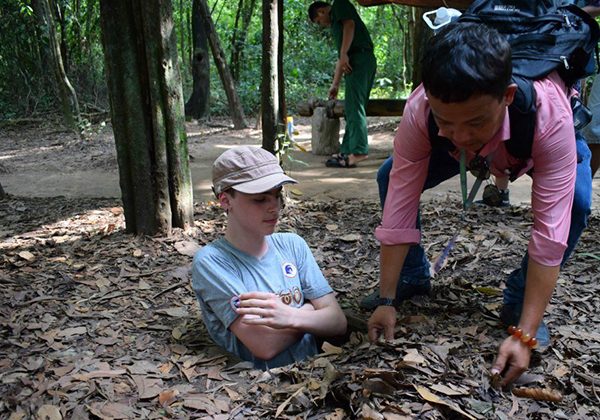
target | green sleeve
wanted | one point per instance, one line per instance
(343, 10)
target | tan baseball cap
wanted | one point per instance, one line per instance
(249, 170)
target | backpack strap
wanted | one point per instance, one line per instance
(522, 114)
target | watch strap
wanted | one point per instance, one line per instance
(383, 301)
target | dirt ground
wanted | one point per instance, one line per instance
(98, 323)
(46, 162)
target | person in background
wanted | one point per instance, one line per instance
(356, 62)
(262, 294)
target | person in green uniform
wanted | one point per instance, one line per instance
(357, 63)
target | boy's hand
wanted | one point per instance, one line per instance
(262, 308)
(514, 355)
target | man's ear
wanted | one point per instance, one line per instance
(509, 94)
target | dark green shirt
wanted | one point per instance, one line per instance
(343, 10)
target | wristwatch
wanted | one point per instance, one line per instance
(383, 301)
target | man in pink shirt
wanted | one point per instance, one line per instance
(467, 88)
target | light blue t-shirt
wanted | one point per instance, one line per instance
(222, 272)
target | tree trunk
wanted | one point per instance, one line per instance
(280, 72)
(2, 193)
(144, 84)
(58, 12)
(420, 37)
(235, 106)
(197, 105)
(239, 36)
(235, 44)
(269, 84)
(66, 93)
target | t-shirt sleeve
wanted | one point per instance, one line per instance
(214, 283)
(314, 285)
(343, 10)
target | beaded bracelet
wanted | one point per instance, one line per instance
(525, 338)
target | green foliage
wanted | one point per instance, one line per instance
(19, 62)
(25, 80)
(309, 54)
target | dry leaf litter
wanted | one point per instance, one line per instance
(98, 323)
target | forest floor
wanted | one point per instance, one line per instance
(96, 323)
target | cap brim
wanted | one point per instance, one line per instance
(264, 184)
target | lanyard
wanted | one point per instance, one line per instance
(467, 199)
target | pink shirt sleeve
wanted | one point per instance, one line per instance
(409, 171)
(554, 155)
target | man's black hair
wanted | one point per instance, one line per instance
(314, 8)
(466, 59)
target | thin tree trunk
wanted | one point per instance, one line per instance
(235, 106)
(420, 38)
(182, 34)
(59, 14)
(270, 83)
(197, 105)
(238, 41)
(66, 93)
(246, 20)
(145, 92)
(2, 193)
(401, 17)
(280, 72)
(78, 53)
(234, 42)
(189, 34)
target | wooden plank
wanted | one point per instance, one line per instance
(335, 109)
(432, 4)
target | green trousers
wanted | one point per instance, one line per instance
(357, 88)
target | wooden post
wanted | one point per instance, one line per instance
(325, 133)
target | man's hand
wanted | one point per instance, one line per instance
(333, 91)
(344, 64)
(514, 357)
(383, 320)
(261, 308)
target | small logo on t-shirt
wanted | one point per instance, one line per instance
(290, 296)
(289, 270)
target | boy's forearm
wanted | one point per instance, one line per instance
(324, 322)
(265, 342)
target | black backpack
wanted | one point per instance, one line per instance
(543, 38)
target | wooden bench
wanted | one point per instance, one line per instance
(325, 139)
